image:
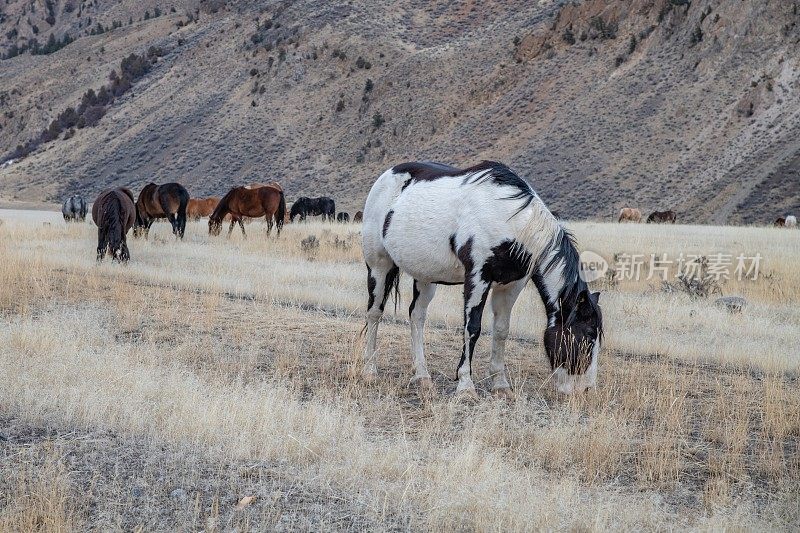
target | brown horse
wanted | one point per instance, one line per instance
(161, 201)
(114, 213)
(358, 217)
(781, 222)
(259, 185)
(242, 202)
(662, 217)
(198, 208)
(629, 214)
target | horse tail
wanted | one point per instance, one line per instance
(280, 214)
(184, 202)
(112, 224)
(392, 286)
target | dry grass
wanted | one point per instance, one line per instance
(227, 368)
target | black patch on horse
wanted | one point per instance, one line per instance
(509, 262)
(415, 295)
(386, 222)
(425, 170)
(371, 283)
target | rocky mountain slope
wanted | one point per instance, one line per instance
(601, 104)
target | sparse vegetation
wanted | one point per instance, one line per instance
(261, 396)
(93, 105)
(377, 120)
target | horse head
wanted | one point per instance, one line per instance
(572, 342)
(214, 226)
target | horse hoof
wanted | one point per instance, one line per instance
(424, 387)
(504, 393)
(469, 395)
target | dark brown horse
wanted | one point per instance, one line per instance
(661, 217)
(198, 208)
(114, 213)
(358, 217)
(242, 202)
(161, 201)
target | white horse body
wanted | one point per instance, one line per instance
(429, 213)
(483, 227)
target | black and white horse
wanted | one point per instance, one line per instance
(483, 227)
(74, 208)
(305, 206)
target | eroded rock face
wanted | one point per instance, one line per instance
(603, 103)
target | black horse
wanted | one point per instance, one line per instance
(304, 207)
(343, 217)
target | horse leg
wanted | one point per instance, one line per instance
(269, 224)
(382, 275)
(174, 223)
(475, 292)
(230, 229)
(503, 298)
(423, 294)
(241, 225)
(101, 245)
(125, 254)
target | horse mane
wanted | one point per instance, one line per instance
(222, 205)
(538, 233)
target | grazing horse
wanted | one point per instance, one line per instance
(791, 221)
(358, 217)
(74, 209)
(259, 185)
(114, 214)
(161, 201)
(629, 214)
(343, 217)
(661, 217)
(483, 227)
(780, 222)
(198, 208)
(304, 207)
(242, 202)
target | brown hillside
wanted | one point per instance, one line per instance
(601, 103)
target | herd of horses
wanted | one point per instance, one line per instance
(631, 214)
(115, 212)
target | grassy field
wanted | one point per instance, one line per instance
(158, 395)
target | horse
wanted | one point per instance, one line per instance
(661, 217)
(259, 185)
(198, 208)
(780, 222)
(241, 202)
(629, 214)
(74, 209)
(161, 201)
(114, 213)
(343, 217)
(791, 221)
(304, 207)
(358, 217)
(485, 228)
